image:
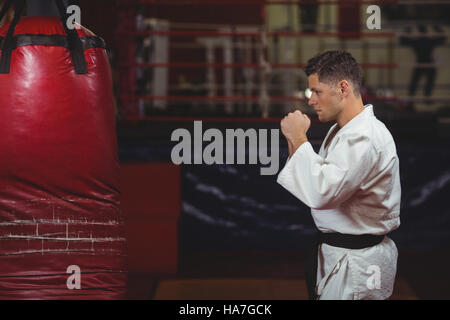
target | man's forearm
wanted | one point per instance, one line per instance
(290, 148)
(294, 144)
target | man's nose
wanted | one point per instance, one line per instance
(312, 101)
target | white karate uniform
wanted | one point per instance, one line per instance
(353, 187)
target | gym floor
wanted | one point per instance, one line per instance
(278, 276)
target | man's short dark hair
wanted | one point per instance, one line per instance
(336, 65)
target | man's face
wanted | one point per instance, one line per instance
(325, 100)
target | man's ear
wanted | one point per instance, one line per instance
(344, 88)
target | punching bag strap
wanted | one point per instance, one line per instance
(75, 44)
(9, 44)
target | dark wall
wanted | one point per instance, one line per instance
(99, 16)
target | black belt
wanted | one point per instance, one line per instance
(348, 241)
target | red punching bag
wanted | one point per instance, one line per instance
(61, 229)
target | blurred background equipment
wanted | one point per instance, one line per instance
(245, 58)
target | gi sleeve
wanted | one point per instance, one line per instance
(325, 183)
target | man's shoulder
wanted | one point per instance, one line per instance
(373, 131)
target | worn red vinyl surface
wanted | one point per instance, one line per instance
(59, 173)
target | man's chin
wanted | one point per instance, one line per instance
(323, 119)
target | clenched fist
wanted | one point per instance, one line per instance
(294, 127)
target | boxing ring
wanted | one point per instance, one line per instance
(243, 61)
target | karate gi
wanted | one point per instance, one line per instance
(352, 187)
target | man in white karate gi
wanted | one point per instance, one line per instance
(352, 186)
